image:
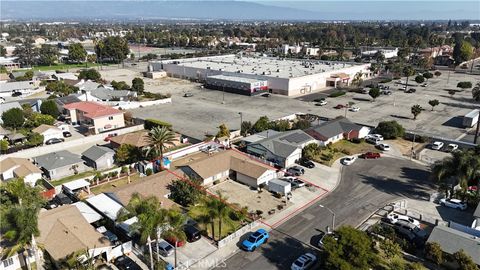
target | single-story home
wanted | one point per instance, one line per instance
(139, 139)
(13, 167)
(48, 132)
(64, 76)
(60, 164)
(103, 93)
(97, 118)
(283, 148)
(7, 88)
(260, 136)
(98, 157)
(64, 231)
(337, 129)
(4, 133)
(16, 137)
(229, 164)
(452, 240)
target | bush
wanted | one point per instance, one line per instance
(149, 171)
(124, 169)
(151, 123)
(427, 75)
(464, 85)
(154, 96)
(113, 174)
(346, 152)
(390, 129)
(396, 78)
(337, 94)
(385, 80)
(90, 74)
(419, 79)
(356, 140)
(437, 73)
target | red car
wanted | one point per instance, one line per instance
(370, 155)
(110, 136)
(171, 241)
(339, 106)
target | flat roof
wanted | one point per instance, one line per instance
(234, 78)
(266, 66)
(105, 205)
(87, 212)
(76, 184)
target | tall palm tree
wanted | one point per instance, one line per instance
(176, 221)
(160, 138)
(207, 207)
(223, 212)
(408, 71)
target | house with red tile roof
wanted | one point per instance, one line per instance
(96, 117)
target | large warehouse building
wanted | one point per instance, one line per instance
(252, 75)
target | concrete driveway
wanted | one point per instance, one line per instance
(366, 186)
(191, 253)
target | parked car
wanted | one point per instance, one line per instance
(193, 233)
(387, 92)
(2, 100)
(16, 94)
(108, 234)
(295, 182)
(383, 146)
(451, 147)
(370, 155)
(453, 203)
(393, 218)
(437, 145)
(126, 263)
(296, 170)
(411, 90)
(255, 240)
(109, 136)
(321, 103)
(324, 235)
(376, 136)
(266, 95)
(303, 262)
(354, 109)
(188, 95)
(348, 160)
(67, 134)
(409, 230)
(373, 140)
(54, 141)
(172, 240)
(424, 85)
(339, 106)
(62, 199)
(164, 248)
(307, 163)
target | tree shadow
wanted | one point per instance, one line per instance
(461, 105)
(399, 116)
(456, 121)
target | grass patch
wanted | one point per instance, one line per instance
(65, 66)
(337, 94)
(227, 228)
(110, 186)
(72, 177)
(328, 155)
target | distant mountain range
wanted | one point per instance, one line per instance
(239, 10)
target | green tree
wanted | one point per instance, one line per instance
(223, 131)
(464, 85)
(390, 248)
(416, 110)
(462, 51)
(176, 221)
(374, 93)
(160, 138)
(127, 154)
(246, 128)
(48, 55)
(28, 76)
(464, 261)
(390, 129)
(185, 192)
(3, 70)
(310, 151)
(49, 107)
(358, 79)
(60, 88)
(433, 251)
(437, 74)
(35, 139)
(352, 250)
(433, 103)
(42, 119)
(262, 124)
(112, 49)
(76, 53)
(138, 85)
(26, 53)
(13, 118)
(281, 125)
(223, 212)
(3, 51)
(408, 71)
(4, 146)
(476, 92)
(419, 79)
(427, 75)
(90, 74)
(120, 85)
(302, 124)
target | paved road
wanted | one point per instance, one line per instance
(366, 186)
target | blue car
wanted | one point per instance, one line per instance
(255, 240)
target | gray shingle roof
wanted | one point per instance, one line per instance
(452, 240)
(7, 106)
(95, 152)
(334, 127)
(67, 100)
(57, 160)
(15, 86)
(283, 144)
(107, 94)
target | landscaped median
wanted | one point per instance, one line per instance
(328, 154)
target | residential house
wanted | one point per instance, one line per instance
(97, 118)
(283, 149)
(4, 133)
(7, 106)
(16, 138)
(34, 104)
(60, 164)
(7, 88)
(62, 101)
(48, 132)
(105, 205)
(13, 167)
(10, 63)
(65, 231)
(229, 164)
(138, 139)
(104, 94)
(259, 136)
(99, 157)
(452, 240)
(337, 129)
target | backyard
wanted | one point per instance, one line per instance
(327, 155)
(111, 185)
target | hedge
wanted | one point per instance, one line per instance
(337, 94)
(151, 123)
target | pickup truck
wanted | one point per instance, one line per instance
(370, 155)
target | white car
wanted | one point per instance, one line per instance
(453, 203)
(321, 103)
(376, 136)
(383, 146)
(451, 147)
(2, 100)
(393, 218)
(373, 140)
(437, 145)
(354, 109)
(348, 160)
(305, 261)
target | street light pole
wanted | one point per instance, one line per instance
(241, 121)
(413, 145)
(223, 94)
(333, 215)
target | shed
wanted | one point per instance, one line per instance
(279, 186)
(76, 185)
(88, 213)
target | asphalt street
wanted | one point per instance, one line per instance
(366, 186)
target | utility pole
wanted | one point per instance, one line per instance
(223, 94)
(241, 121)
(413, 144)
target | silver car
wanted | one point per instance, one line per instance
(165, 249)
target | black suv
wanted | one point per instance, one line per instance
(307, 163)
(125, 263)
(193, 233)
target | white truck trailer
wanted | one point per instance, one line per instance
(470, 119)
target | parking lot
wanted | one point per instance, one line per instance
(206, 109)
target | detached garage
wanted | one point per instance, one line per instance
(48, 132)
(251, 173)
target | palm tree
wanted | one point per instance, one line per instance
(207, 207)
(408, 71)
(223, 212)
(176, 221)
(416, 110)
(476, 92)
(151, 216)
(160, 138)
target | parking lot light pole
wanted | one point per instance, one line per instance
(241, 121)
(333, 215)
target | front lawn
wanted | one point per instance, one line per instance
(65, 66)
(327, 155)
(72, 177)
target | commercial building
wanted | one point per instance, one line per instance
(287, 77)
(237, 84)
(388, 53)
